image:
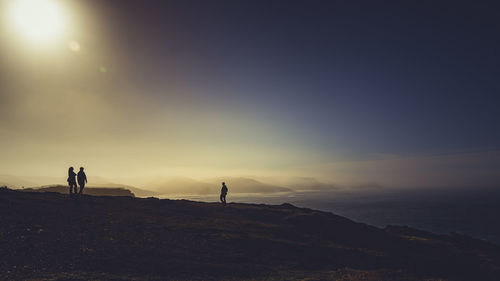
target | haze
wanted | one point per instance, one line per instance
(346, 93)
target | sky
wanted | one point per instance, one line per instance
(393, 93)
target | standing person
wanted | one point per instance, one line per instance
(223, 193)
(82, 180)
(71, 180)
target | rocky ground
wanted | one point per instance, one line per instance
(51, 236)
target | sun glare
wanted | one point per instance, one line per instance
(39, 21)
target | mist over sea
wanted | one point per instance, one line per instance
(469, 211)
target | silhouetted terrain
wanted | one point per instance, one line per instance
(138, 192)
(44, 182)
(97, 191)
(182, 185)
(50, 236)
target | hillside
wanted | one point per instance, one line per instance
(96, 191)
(182, 185)
(50, 236)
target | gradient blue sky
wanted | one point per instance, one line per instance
(402, 77)
(320, 81)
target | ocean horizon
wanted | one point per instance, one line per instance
(471, 211)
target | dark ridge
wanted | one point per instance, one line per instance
(51, 236)
(96, 191)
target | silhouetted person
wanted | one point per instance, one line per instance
(82, 179)
(223, 193)
(72, 180)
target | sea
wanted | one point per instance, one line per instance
(472, 211)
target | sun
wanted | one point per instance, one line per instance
(39, 21)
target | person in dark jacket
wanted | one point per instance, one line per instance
(82, 180)
(223, 193)
(72, 180)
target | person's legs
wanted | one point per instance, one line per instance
(82, 185)
(70, 188)
(224, 199)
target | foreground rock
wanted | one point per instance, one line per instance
(49, 236)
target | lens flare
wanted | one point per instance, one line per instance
(74, 46)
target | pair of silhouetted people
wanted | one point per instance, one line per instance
(72, 179)
(223, 193)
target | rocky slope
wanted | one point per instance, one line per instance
(50, 236)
